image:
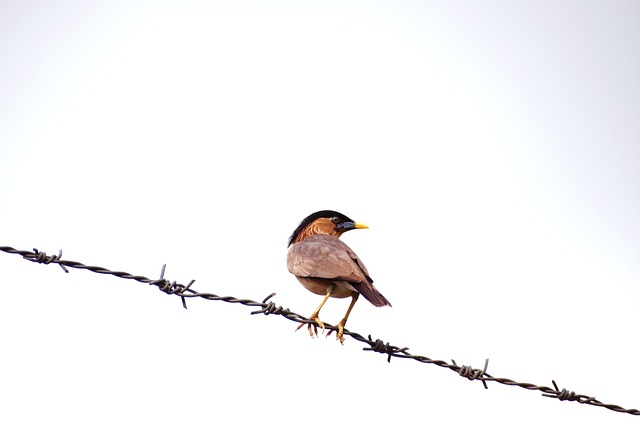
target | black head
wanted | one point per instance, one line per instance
(342, 222)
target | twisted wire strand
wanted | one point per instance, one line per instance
(267, 307)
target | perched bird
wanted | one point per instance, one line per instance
(326, 266)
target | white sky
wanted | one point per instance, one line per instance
(492, 147)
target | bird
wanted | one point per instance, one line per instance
(326, 266)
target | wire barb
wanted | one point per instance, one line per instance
(171, 287)
(380, 346)
(564, 394)
(268, 307)
(43, 258)
(473, 374)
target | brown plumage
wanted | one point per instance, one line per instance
(327, 266)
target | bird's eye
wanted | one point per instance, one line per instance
(335, 220)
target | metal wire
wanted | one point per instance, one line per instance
(267, 307)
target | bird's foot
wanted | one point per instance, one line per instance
(312, 325)
(340, 333)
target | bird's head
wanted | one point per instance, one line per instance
(324, 222)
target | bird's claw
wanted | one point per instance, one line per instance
(312, 325)
(339, 334)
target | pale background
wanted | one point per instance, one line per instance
(492, 147)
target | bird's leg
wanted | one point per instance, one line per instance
(343, 322)
(314, 316)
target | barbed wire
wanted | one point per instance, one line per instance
(268, 307)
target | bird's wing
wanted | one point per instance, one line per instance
(326, 257)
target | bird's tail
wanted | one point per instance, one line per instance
(372, 295)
